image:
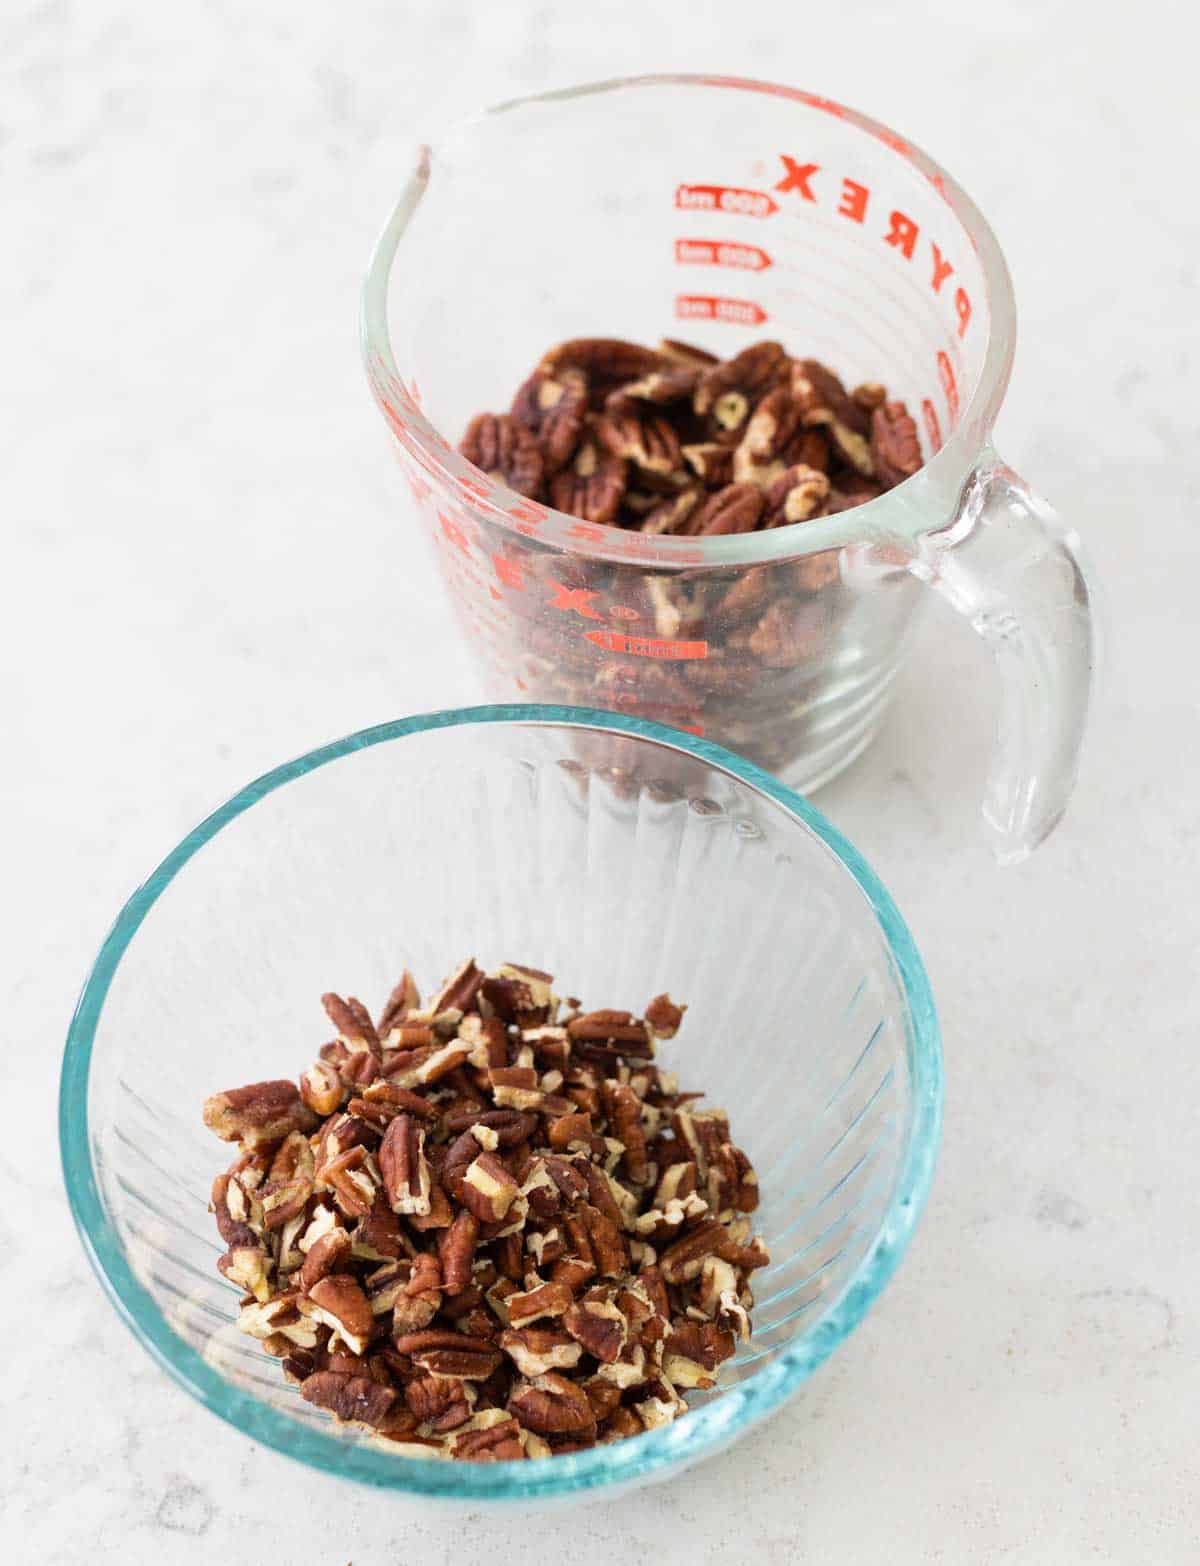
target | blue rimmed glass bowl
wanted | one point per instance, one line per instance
(625, 858)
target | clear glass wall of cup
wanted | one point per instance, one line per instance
(723, 212)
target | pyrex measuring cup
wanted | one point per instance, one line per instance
(725, 212)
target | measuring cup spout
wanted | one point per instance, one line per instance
(1017, 573)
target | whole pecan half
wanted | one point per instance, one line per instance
(505, 450)
(591, 486)
(726, 394)
(552, 408)
(686, 353)
(607, 362)
(340, 1303)
(449, 1353)
(645, 439)
(734, 509)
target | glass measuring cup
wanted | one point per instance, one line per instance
(726, 212)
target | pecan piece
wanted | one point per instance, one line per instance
(448, 1353)
(624, 1110)
(551, 1405)
(405, 997)
(487, 1188)
(504, 450)
(611, 1027)
(727, 393)
(591, 487)
(553, 408)
(784, 637)
(735, 509)
(663, 1017)
(683, 1261)
(607, 361)
(350, 1399)
(321, 1088)
(536, 1350)
(711, 461)
(544, 1300)
(769, 430)
(377, 1235)
(404, 1167)
(795, 495)
(456, 1252)
(647, 441)
(895, 444)
(597, 1241)
(353, 1022)
(660, 389)
(491, 1437)
(259, 1114)
(686, 353)
(599, 1326)
(325, 1255)
(670, 515)
(340, 1303)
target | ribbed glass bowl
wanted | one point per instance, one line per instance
(623, 857)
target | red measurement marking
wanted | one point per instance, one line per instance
(454, 533)
(932, 428)
(576, 598)
(949, 384)
(703, 307)
(716, 252)
(623, 612)
(646, 646)
(724, 198)
(509, 572)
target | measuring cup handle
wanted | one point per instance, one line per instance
(1016, 572)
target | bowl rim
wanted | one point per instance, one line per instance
(704, 1429)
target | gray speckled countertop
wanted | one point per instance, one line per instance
(197, 514)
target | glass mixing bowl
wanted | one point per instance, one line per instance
(623, 857)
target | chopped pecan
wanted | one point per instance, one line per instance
(544, 1300)
(784, 637)
(405, 997)
(496, 1440)
(671, 514)
(597, 1240)
(504, 450)
(321, 1088)
(683, 1260)
(257, 1115)
(569, 1128)
(768, 433)
(456, 1251)
(350, 1399)
(457, 992)
(377, 1236)
(895, 444)
(536, 1350)
(663, 1017)
(340, 1303)
(404, 1167)
(704, 1343)
(327, 1254)
(599, 1326)
(353, 1022)
(610, 1027)
(624, 1110)
(551, 1405)
(387, 1096)
(487, 1188)
(353, 1177)
(711, 461)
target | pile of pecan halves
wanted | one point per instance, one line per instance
(488, 1227)
(673, 440)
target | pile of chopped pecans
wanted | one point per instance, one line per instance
(673, 440)
(488, 1227)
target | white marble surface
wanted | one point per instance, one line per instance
(197, 525)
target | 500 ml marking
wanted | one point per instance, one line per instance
(721, 252)
(705, 307)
